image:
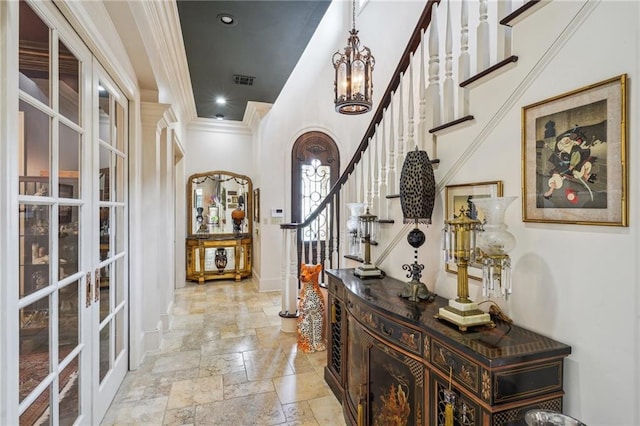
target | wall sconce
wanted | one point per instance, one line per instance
(459, 240)
(368, 228)
(494, 244)
(417, 196)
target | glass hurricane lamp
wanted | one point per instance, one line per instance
(494, 244)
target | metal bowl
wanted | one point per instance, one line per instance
(549, 418)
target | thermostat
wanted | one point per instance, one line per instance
(277, 212)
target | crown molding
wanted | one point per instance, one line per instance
(254, 113)
(159, 21)
(218, 126)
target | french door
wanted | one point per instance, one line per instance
(73, 229)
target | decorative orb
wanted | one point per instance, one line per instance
(416, 238)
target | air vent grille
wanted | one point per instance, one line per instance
(245, 80)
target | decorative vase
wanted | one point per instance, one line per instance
(214, 219)
(356, 209)
(237, 216)
(221, 259)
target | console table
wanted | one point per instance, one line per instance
(201, 253)
(389, 361)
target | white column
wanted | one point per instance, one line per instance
(448, 95)
(464, 60)
(151, 218)
(482, 34)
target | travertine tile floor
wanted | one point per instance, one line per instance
(226, 362)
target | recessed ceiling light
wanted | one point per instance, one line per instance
(227, 19)
(221, 100)
(219, 117)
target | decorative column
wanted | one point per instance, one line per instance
(289, 312)
(150, 294)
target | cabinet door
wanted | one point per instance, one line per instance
(335, 339)
(465, 411)
(384, 386)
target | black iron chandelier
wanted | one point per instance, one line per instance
(353, 85)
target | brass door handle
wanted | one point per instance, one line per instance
(87, 280)
(97, 286)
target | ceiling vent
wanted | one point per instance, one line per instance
(244, 80)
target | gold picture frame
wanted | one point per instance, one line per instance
(574, 156)
(256, 205)
(457, 202)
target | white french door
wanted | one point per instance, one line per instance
(109, 316)
(72, 258)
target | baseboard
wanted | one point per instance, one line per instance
(274, 284)
(167, 317)
(153, 338)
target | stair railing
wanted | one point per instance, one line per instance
(372, 175)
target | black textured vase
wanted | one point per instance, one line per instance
(417, 188)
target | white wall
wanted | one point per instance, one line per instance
(576, 284)
(212, 146)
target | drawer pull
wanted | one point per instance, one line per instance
(333, 314)
(350, 304)
(360, 414)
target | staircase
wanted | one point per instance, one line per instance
(427, 97)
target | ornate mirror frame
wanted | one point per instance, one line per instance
(213, 201)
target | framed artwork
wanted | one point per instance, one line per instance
(256, 205)
(575, 156)
(458, 201)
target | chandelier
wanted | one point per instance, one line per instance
(353, 85)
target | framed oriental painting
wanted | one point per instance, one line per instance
(575, 156)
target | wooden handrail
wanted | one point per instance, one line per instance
(385, 101)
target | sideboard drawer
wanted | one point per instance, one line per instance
(336, 288)
(390, 330)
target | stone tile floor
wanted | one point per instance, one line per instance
(226, 362)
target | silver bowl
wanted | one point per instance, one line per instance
(549, 418)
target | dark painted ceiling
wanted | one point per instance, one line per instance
(265, 42)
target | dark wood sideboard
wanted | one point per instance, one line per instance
(389, 361)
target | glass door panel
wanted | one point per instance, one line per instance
(52, 200)
(69, 84)
(34, 63)
(110, 174)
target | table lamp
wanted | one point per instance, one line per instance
(459, 241)
(368, 226)
(417, 197)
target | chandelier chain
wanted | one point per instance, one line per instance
(353, 14)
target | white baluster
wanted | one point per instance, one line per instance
(361, 194)
(422, 94)
(464, 61)
(505, 7)
(383, 204)
(326, 264)
(318, 242)
(375, 171)
(368, 180)
(483, 49)
(448, 95)
(434, 69)
(391, 176)
(410, 129)
(400, 144)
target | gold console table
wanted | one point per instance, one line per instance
(201, 258)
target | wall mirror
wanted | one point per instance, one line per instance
(218, 204)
